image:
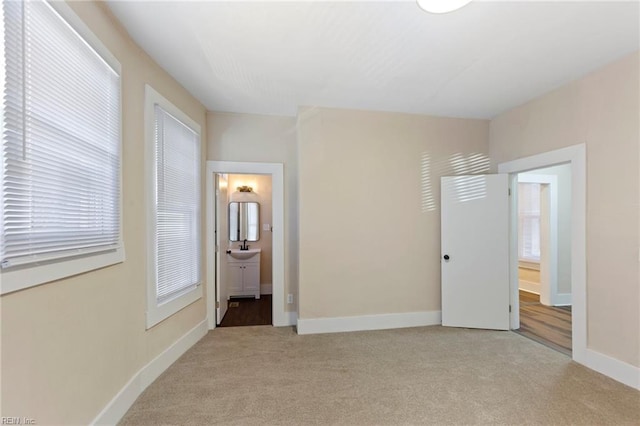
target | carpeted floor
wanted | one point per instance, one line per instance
(415, 376)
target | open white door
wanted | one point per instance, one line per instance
(221, 215)
(475, 251)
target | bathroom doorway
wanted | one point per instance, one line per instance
(218, 244)
(544, 256)
(244, 237)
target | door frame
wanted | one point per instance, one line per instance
(576, 156)
(220, 274)
(276, 171)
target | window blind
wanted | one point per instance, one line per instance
(529, 221)
(177, 214)
(60, 140)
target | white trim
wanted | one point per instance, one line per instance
(276, 170)
(563, 299)
(611, 367)
(576, 155)
(153, 97)
(211, 255)
(156, 313)
(369, 322)
(266, 288)
(32, 275)
(548, 265)
(78, 25)
(292, 318)
(529, 286)
(514, 274)
(124, 399)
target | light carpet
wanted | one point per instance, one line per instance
(414, 376)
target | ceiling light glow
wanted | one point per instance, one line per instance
(442, 6)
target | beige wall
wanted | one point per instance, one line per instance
(262, 193)
(369, 207)
(602, 111)
(69, 346)
(266, 139)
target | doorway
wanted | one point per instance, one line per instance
(243, 234)
(544, 256)
(576, 157)
(214, 288)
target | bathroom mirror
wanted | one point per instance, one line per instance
(244, 221)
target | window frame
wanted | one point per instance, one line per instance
(157, 313)
(528, 216)
(37, 273)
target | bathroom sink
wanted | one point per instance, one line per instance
(243, 254)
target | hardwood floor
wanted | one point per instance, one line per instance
(249, 311)
(549, 325)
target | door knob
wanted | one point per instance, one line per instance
(446, 257)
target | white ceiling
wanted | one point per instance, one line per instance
(271, 57)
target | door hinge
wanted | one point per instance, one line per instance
(217, 305)
(509, 308)
(509, 192)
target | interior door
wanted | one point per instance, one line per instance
(475, 251)
(221, 235)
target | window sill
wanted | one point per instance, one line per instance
(529, 264)
(20, 278)
(158, 313)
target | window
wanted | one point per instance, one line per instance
(60, 159)
(529, 222)
(174, 163)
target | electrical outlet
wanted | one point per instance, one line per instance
(290, 298)
(266, 227)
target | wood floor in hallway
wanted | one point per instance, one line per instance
(549, 325)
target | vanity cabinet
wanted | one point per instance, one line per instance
(244, 276)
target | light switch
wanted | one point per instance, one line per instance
(266, 227)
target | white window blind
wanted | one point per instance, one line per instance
(60, 140)
(177, 212)
(529, 221)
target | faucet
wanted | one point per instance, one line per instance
(244, 246)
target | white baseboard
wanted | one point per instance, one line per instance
(529, 286)
(118, 406)
(562, 299)
(611, 367)
(368, 322)
(266, 288)
(292, 318)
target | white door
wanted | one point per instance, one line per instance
(475, 251)
(220, 235)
